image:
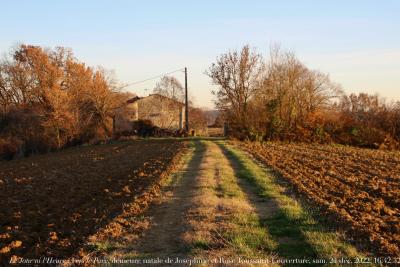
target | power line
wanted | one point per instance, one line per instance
(151, 78)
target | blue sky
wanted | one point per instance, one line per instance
(356, 42)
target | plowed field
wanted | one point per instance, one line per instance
(360, 188)
(51, 203)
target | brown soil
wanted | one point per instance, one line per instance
(52, 203)
(358, 187)
(112, 200)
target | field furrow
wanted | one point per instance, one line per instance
(360, 187)
(52, 203)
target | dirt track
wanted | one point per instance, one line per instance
(196, 216)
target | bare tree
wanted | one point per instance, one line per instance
(170, 87)
(291, 91)
(238, 76)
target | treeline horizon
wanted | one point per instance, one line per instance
(50, 100)
(279, 98)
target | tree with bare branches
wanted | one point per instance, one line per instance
(170, 87)
(238, 75)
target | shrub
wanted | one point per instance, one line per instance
(143, 127)
(9, 148)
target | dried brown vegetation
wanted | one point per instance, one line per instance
(280, 98)
(358, 187)
(52, 203)
(49, 100)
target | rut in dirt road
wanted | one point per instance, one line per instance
(167, 214)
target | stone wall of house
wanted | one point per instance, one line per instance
(162, 111)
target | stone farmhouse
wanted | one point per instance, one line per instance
(162, 111)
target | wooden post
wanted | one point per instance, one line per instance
(186, 104)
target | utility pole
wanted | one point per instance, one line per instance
(186, 104)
